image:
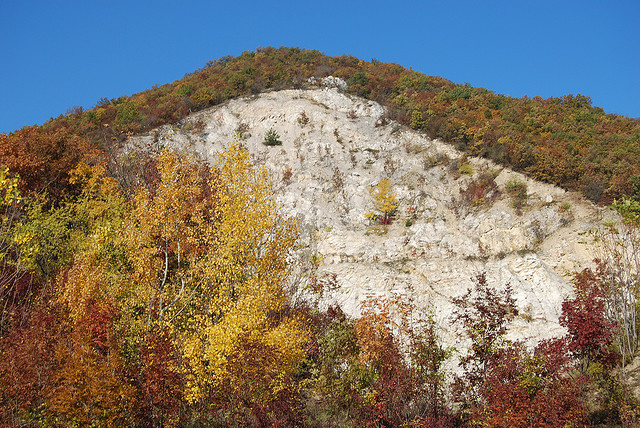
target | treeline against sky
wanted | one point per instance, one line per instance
(565, 141)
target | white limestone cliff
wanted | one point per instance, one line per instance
(337, 147)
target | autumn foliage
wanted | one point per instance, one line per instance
(503, 384)
(157, 291)
(591, 330)
(172, 305)
(564, 140)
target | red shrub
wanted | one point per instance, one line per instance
(591, 332)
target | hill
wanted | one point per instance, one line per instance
(290, 239)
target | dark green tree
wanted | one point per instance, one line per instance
(271, 138)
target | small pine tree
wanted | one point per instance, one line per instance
(271, 138)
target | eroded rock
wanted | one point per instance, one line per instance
(336, 148)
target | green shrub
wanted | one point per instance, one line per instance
(127, 114)
(465, 169)
(564, 207)
(517, 189)
(185, 90)
(271, 138)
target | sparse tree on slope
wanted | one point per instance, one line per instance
(384, 199)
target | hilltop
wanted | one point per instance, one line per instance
(565, 141)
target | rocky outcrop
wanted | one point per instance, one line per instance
(337, 147)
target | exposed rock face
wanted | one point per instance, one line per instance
(337, 147)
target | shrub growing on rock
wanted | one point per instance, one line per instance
(503, 383)
(481, 191)
(517, 189)
(271, 138)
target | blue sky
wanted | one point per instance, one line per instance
(57, 54)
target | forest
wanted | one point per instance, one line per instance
(164, 292)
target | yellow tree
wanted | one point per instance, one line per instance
(203, 255)
(384, 199)
(90, 385)
(10, 274)
(96, 272)
(210, 255)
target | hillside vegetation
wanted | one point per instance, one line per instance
(565, 141)
(165, 291)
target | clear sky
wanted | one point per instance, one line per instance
(55, 54)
